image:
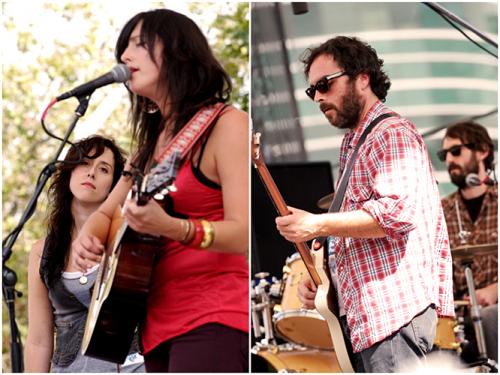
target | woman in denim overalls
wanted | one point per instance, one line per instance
(59, 295)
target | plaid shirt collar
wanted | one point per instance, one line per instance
(353, 135)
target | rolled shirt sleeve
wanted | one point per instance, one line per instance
(394, 168)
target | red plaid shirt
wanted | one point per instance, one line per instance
(385, 282)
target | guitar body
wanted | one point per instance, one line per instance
(120, 296)
(323, 302)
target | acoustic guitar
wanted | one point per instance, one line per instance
(316, 263)
(120, 291)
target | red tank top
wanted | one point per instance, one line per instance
(192, 287)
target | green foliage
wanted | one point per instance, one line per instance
(45, 67)
(229, 33)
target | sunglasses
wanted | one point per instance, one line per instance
(323, 85)
(454, 150)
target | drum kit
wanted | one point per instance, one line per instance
(292, 339)
(289, 338)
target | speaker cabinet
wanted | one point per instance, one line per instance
(301, 185)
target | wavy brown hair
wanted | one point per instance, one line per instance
(60, 220)
(189, 73)
(354, 57)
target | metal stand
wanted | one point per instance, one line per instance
(475, 313)
(9, 277)
(441, 10)
(261, 306)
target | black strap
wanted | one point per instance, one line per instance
(339, 194)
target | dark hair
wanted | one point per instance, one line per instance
(354, 57)
(472, 132)
(190, 74)
(60, 219)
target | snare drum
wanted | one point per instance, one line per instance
(445, 334)
(294, 358)
(301, 326)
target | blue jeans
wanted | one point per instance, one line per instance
(404, 350)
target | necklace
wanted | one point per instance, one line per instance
(83, 279)
(463, 234)
(81, 276)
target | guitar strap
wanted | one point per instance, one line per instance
(339, 194)
(191, 132)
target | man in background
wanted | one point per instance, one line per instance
(472, 218)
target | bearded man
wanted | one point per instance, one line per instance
(472, 217)
(388, 244)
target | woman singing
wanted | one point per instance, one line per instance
(197, 311)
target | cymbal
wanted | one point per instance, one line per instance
(468, 251)
(325, 202)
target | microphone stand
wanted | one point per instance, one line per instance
(441, 10)
(9, 277)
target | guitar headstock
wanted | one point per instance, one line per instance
(159, 181)
(163, 175)
(256, 154)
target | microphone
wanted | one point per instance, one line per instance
(119, 73)
(472, 179)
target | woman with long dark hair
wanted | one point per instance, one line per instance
(58, 293)
(197, 311)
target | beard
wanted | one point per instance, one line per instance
(347, 116)
(458, 178)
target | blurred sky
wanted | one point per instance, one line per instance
(29, 12)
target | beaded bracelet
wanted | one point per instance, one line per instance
(198, 233)
(208, 234)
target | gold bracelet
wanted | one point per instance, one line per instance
(185, 230)
(187, 225)
(208, 234)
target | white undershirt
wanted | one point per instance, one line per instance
(77, 274)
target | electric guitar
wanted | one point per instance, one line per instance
(316, 262)
(120, 291)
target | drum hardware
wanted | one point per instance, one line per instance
(484, 365)
(475, 312)
(275, 290)
(459, 331)
(465, 254)
(325, 202)
(261, 307)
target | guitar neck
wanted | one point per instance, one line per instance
(282, 209)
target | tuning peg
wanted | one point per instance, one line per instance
(172, 188)
(159, 196)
